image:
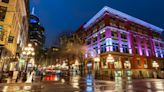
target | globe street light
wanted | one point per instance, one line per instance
(27, 53)
(155, 65)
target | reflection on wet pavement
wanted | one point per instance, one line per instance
(88, 84)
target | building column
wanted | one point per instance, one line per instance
(146, 47)
(98, 43)
(153, 50)
(120, 42)
(160, 49)
(139, 45)
(108, 40)
(129, 42)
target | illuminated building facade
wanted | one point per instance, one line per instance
(13, 28)
(133, 44)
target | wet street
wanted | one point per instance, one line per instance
(86, 84)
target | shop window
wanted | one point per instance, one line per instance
(138, 62)
(3, 11)
(104, 63)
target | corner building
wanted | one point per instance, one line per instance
(133, 44)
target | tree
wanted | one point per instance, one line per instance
(72, 48)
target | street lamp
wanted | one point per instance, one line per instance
(110, 58)
(28, 52)
(155, 65)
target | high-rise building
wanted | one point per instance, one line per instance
(36, 36)
(123, 44)
(13, 28)
(36, 32)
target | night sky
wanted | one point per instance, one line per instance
(67, 15)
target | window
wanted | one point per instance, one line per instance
(95, 39)
(103, 47)
(134, 40)
(123, 36)
(3, 11)
(10, 39)
(113, 22)
(143, 51)
(114, 34)
(101, 24)
(138, 62)
(136, 50)
(88, 42)
(104, 63)
(94, 29)
(149, 52)
(96, 49)
(5, 1)
(125, 48)
(102, 35)
(121, 24)
(115, 47)
(159, 54)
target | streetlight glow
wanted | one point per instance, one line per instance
(33, 53)
(30, 45)
(110, 58)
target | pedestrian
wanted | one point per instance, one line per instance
(42, 75)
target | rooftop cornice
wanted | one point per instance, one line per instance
(123, 15)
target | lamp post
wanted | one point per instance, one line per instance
(27, 53)
(155, 65)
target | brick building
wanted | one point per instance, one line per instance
(134, 45)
